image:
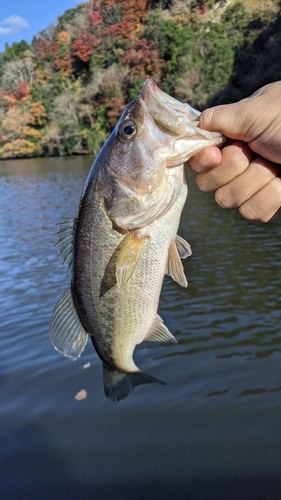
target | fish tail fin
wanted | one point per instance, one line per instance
(118, 385)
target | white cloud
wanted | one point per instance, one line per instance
(13, 24)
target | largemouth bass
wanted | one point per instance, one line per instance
(124, 238)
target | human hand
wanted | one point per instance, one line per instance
(244, 173)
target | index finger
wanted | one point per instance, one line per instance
(205, 160)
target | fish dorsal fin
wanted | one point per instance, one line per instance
(175, 267)
(67, 334)
(159, 332)
(128, 257)
(183, 247)
(65, 241)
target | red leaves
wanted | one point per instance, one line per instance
(64, 63)
(22, 91)
(108, 3)
(125, 29)
(115, 106)
(84, 45)
(45, 48)
(94, 14)
(130, 24)
(21, 94)
(143, 59)
(96, 19)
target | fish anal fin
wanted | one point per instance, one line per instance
(128, 257)
(159, 332)
(118, 385)
(175, 267)
(67, 334)
(183, 247)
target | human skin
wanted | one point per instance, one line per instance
(244, 173)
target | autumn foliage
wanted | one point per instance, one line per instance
(143, 59)
(63, 93)
(20, 134)
(84, 45)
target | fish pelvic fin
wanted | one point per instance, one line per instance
(175, 268)
(118, 385)
(67, 334)
(183, 248)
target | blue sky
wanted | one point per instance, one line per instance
(22, 19)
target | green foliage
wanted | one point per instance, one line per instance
(15, 51)
(209, 59)
(172, 39)
(57, 83)
(101, 117)
(38, 93)
(69, 143)
(12, 53)
(135, 88)
(75, 78)
(68, 18)
(2, 62)
(177, 40)
(94, 137)
(221, 43)
(111, 15)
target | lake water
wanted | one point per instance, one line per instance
(212, 433)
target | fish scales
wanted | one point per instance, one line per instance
(122, 316)
(125, 239)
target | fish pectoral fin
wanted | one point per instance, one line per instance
(128, 257)
(118, 385)
(65, 237)
(183, 247)
(159, 332)
(67, 334)
(175, 267)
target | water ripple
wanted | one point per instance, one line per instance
(227, 360)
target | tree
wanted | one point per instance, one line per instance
(20, 130)
(22, 91)
(62, 54)
(44, 49)
(65, 91)
(143, 60)
(15, 72)
(16, 50)
(64, 115)
(84, 45)
(133, 15)
(115, 106)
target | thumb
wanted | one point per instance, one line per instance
(255, 120)
(226, 119)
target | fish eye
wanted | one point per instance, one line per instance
(127, 130)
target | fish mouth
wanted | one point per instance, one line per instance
(173, 117)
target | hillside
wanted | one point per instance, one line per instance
(63, 93)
